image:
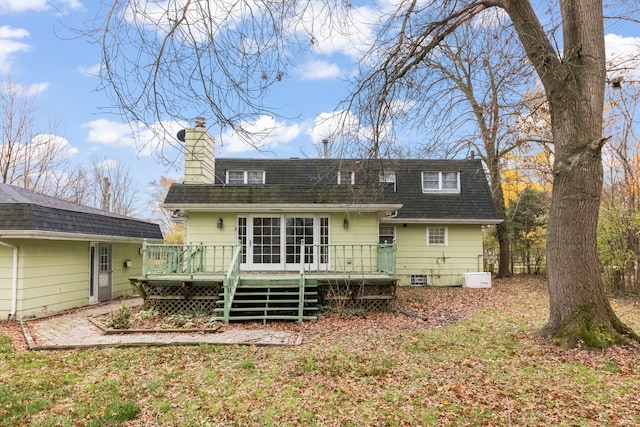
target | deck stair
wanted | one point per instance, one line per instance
(271, 299)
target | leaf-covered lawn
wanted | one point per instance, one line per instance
(476, 360)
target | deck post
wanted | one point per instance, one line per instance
(301, 286)
(144, 258)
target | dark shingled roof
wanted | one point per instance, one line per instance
(314, 181)
(24, 210)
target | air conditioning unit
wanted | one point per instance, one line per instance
(477, 280)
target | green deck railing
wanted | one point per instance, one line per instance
(201, 260)
(186, 260)
(230, 283)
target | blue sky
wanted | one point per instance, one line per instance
(40, 53)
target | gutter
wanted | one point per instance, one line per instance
(14, 279)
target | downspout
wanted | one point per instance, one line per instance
(14, 279)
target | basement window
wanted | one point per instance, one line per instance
(418, 280)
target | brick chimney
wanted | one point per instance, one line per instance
(199, 154)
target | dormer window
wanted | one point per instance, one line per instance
(440, 182)
(245, 177)
(346, 178)
(388, 177)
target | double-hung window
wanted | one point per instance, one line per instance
(348, 177)
(245, 177)
(437, 236)
(386, 234)
(440, 182)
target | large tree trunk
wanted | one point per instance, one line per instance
(574, 87)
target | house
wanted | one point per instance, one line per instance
(57, 255)
(273, 238)
(433, 211)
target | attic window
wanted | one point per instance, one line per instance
(245, 177)
(346, 178)
(440, 182)
(388, 177)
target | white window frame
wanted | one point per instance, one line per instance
(245, 177)
(446, 236)
(440, 189)
(391, 227)
(388, 177)
(352, 177)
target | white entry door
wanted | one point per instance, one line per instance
(101, 273)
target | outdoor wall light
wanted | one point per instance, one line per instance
(345, 223)
(128, 263)
(219, 222)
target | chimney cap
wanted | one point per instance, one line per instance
(201, 122)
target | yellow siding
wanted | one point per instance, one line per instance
(54, 275)
(6, 272)
(202, 227)
(444, 265)
(121, 274)
(362, 229)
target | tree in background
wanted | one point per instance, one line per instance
(573, 79)
(527, 224)
(465, 97)
(619, 226)
(172, 228)
(29, 157)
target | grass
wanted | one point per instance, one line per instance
(489, 368)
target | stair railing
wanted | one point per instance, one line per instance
(230, 282)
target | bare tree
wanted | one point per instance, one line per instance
(190, 55)
(29, 157)
(573, 79)
(172, 228)
(465, 96)
(112, 187)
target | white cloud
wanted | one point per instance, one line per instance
(7, 6)
(10, 44)
(91, 71)
(145, 141)
(108, 132)
(335, 126)
(63, 149)
(265, 134)
(623, 54)
(317, 70)
(350, 35)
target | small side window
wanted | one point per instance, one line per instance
(437, 236)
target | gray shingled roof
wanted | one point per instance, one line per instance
(314, 181)
(24, 210)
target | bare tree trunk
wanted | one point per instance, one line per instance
(495, 178)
